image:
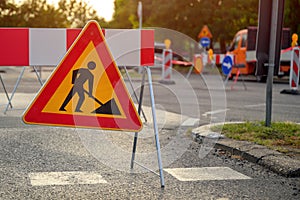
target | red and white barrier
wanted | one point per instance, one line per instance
(167, 64)
(205, 59)
(47, 46)
(218, 58)
(167, 67)
(294, 70)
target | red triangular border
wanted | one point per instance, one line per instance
(34, 115)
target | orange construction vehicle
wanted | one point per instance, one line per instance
(243, 50)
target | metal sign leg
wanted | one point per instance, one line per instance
(5, 91)
(190, 71)
(134, 93)
(139, 112)
(226, 80)
(15, 88)
(162, 182)
(155, 127)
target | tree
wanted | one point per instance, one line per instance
(8, 13)
(124, 15)
(77, 13)
(37, 13)
(224, 18)
(292, 15)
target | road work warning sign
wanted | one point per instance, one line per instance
(86, 89)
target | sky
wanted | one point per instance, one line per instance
(104, 8)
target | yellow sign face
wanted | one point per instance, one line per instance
(198, 64)
(205, 32)
(102, 89)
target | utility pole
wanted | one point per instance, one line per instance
(269, 45)
(140, 14)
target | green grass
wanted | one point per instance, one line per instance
(280, 136)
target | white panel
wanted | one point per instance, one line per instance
(250, 56)
(125, 46)
(286, 56)
(46, 46)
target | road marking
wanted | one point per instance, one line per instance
(191, 122)
(287, 105)
(206, 174)
(255, 105)
(274, 104)
(65, 178)
(214, 112)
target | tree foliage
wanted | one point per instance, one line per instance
(124, 11)
(77, 13)
(292, 15)
(8, 13)
(38, 13)
(223, 17)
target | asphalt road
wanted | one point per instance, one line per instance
(236, 104)
(94, 164)
(197, 96)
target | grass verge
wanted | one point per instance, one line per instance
(281, 136)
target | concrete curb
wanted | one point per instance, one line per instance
(273, 160)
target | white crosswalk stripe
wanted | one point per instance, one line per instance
(65, 178)
(206, 174)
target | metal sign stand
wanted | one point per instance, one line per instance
(9, 104)
(236, 79)
(190, 72)
(134, 93)
(227, 79)
(155, 127)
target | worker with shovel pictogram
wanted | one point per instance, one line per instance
(79, 77)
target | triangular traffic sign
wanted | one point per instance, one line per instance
(86, 89)
(205, 32)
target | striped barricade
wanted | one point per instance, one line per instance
(294, 73)
(167, 67)
(294, 70)
(47, 46)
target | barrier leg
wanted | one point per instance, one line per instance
(38, 75)
(5, 91)
(236, 78)
(243, 81)
(15, 88)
